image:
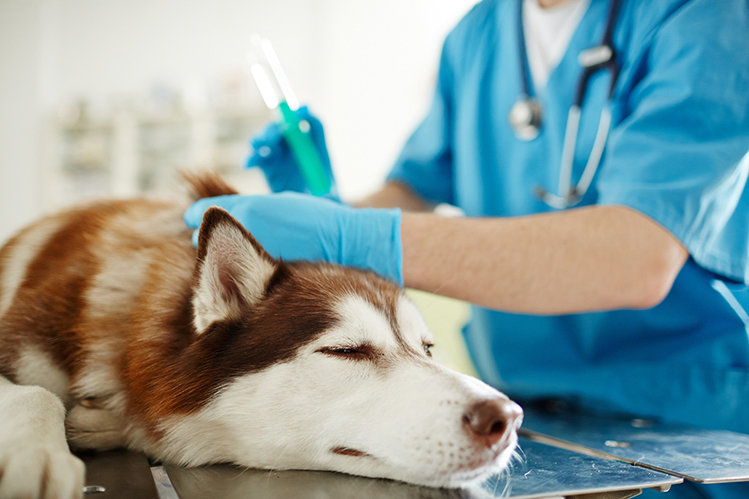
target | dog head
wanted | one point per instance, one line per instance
(329, 368)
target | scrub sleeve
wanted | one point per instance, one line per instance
(681, 157)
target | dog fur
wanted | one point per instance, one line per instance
(116, 332)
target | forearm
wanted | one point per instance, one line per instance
(587, 259)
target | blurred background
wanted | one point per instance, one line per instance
(104, 98)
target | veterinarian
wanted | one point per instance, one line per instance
(616, 275)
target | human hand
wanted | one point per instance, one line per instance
(271, 153)
(297, 226)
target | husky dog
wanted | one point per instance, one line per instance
(116, 332)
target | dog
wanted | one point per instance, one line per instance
(116, 332)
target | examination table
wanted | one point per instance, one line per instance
(564, 453)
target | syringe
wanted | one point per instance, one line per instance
(277, 94)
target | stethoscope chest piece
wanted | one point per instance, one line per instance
(525, 118)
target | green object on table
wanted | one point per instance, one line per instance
(304, 151)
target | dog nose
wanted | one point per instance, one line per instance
(490, 420)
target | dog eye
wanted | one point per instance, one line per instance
(342, 351)
(428, 349)
(354, 353)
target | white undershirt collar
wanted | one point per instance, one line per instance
(547, 35)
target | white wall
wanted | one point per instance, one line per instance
(366, 67)
(20, 111)
(380, 67)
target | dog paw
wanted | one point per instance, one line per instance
(94, 428)
(40, 471)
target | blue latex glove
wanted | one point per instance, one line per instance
(271, 153)
(296, 226)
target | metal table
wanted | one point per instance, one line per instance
(564, 454)
(545, 471)
(704, 456)
(119, 475)
(550, 471)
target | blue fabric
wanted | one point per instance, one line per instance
(679, 133)
(692, 490)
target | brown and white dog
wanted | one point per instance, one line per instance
(116, 332)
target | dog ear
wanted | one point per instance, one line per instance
(232, 270)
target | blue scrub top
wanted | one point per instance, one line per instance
(677, 152)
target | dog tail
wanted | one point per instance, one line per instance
(206, 184)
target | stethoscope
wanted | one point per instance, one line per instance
(525, 115)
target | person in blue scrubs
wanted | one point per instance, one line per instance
(634, 300)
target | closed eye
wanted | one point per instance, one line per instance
(358, 352)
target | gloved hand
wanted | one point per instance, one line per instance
(296, 226)
(272, 154)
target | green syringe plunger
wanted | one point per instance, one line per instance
(304, 151)
(277, 94)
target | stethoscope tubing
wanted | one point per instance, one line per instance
(600, 57)
(609, 63)
(575, 195)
